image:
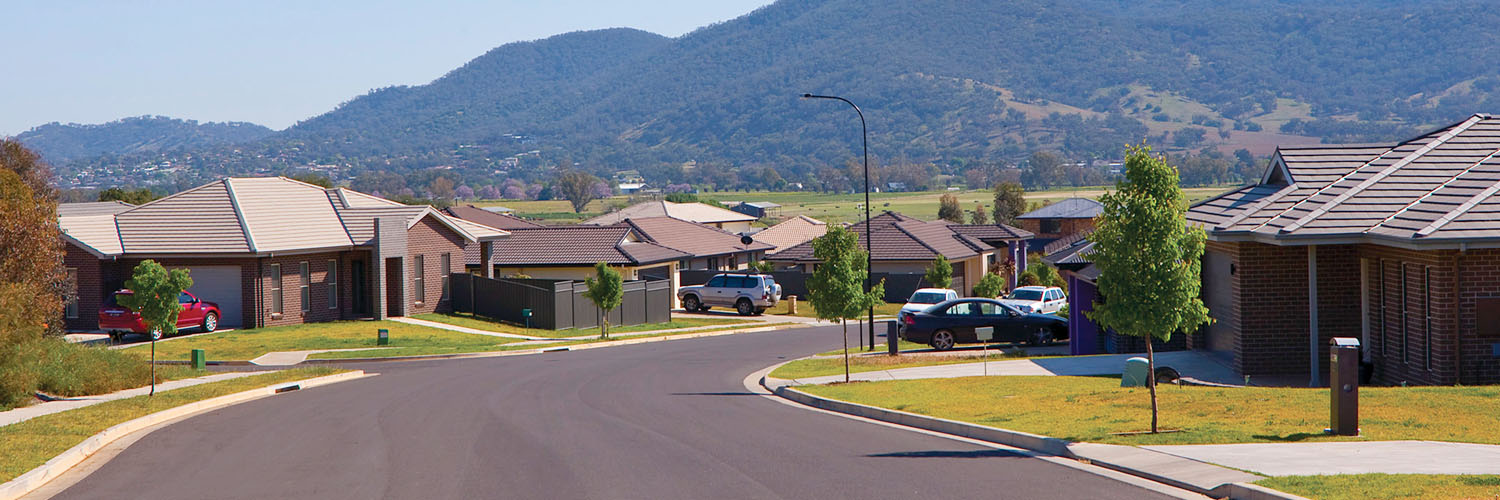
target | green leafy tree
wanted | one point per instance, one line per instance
(979, 216)
(949, 210)
(605, 290)
(836, 288)
(991, 285)
(1010, 202)
(577, 188)
(154, 292)
(764, 266)
(313, 178)
(940, 273)
(131, 196)
(1149, 259)
(1029, 278)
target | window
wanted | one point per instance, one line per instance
(184, 298)
(276, 289)
(733, 262)
(333, 284)
(716, 282)
(419, 277)
(447, 266)
(962, 309)
(1427, 317)
(713, 263)
(1050, 226)
(1380, 286)
(990, 309)
(71, 309)
(306, 288)
(1404, 313)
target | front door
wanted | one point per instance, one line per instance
(358, 289)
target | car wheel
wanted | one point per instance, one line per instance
(690, 303)
(1042, 336)
(210, 322)
(942, 340)
(744, 307)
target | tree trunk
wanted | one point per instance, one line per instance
(846, 348)
(1151, 380)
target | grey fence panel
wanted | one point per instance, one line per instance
(633, 307)
(462, 286)
(560, 295)
(557, 304)
(658, 301)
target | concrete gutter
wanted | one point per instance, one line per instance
(36, 478)
(1199, 477)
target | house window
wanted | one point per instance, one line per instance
(447, 265)
(418, 278)
(276, 289)
(1427, 317)
(306, 288)
(333, 284)
(713, 263)
(1380, 286)
(1051, 226)
(70, 310)
(1404, 313)
(734, 262)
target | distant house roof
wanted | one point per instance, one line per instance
(248, 215)
(489, 218)
(696, 239)
(1075, 257)
(1071, 208)
(497, 209)
(691, 212)
(93, 208)
(992, 232)
(761, 204)
(902, 238)
(790, 232)
(581, 246)
(1436, 190)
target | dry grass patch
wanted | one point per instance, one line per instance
(1387, 486)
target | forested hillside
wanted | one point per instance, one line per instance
(145, 134)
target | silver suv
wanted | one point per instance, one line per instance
(746, 293)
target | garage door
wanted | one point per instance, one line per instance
(220, 285)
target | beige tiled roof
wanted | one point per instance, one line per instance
(691, 212)
(281, 214)
(199, 220)
(488, 218)
(898, 237)
(791, 232)
(93, 208)
(96, 232)
(696, 239)
(579, 246)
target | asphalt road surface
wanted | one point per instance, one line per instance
(665, 420)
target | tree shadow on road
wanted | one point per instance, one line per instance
(715, 394)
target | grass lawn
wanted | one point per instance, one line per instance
(1093, 408)
(805, 309)
(1387, 486)
(252, 343)
(439, 349)
(481, 323)
(33, 442)
(818, 367)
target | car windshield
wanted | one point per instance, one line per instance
(926, 298)
(1026, 295)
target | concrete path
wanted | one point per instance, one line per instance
(288, 358)
(456, 328)
(1189, 363)
(1385, 457)
(50, 407)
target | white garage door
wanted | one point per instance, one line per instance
(220, 285)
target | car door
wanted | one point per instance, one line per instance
(192, 311)
(1009, 324)
(713, 291)
(1055, 301)
(962, 318)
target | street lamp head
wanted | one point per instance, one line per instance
(807, 96)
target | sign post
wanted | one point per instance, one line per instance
(155, 336)
(985, 334)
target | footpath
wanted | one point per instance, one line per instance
(64, 404)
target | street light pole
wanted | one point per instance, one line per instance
(890, 341)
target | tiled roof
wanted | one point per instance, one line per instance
(579, 246)
(1436, 189)
(898, 237)
(691, 212)
(992, 232)
(1065, 241)
(696, 239)
(1076, 253)
(1071, 208)
(93, 208)
(790, 232)
(489, 218)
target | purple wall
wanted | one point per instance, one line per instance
(1083, 334)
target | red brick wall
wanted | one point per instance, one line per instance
(124, 267)
(291, 283)
(1403, 355)
(1478, 277)
(1273, 308)
(90, 287)
(431, 239)
(1069, 227)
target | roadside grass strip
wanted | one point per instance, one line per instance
(825, 366)
(481, 323)
(252, 343)
(31, 443)
(805, 310)
(1095, 409)
(1387, 486)
(519, 346)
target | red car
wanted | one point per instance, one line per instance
(119, 320)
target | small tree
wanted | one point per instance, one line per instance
(1010, 202)
(979, 216)
(940, 273)
(154, 292)
(764, 267)
(577, 188)
(836, 287)
(949, 210)
(1149, 259)
(990, 286)
(605, 290)
(1029, 278)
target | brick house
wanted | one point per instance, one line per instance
(708, 248)
(272, 251)
(700, 213)
(1066, 219)
(1395, 244)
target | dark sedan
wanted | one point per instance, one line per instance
(954, 321)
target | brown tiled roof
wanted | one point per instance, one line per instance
(1071, 208)
(790, 232)
(992, 232)
(488, 218)
(1066, 241)
(1436, 189)
(696, 239)
(898, 237)
(579, 246)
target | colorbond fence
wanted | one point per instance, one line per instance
(557, 305)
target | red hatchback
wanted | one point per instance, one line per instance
(119, 320)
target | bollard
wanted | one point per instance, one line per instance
(791, 305)
(1136, 371)
(200, 360)
(1343, 384)
(526, 313)
(383, 337)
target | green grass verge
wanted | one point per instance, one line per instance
(880, 347)
(252, 343)
(432, 350)
(481, 323)
(1093, 409)
(1387, 486)
(32, 443)
(804, 368)
(56, 367)
(805, 310)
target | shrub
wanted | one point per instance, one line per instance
(1029, 278)
(54, 366)
(990, 286)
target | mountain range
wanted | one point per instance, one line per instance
(939, 81)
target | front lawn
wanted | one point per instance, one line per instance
(1387, 486)
(1095, 408)
(821, 366)
(805, 309)
(440, 349)
(482, 323)
(252, 343)
(33, 442)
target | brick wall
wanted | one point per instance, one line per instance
(1068, 227)
(1421, 349)
(1479, 277)
(116, 274)
(90, 287)
(1273, 307)
(291, 283)
(431, 239)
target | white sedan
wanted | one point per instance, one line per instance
(1037, 299)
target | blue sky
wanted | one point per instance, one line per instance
(274, 62)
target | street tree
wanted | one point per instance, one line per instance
(940, 273)
(1149, 259)
(836, 288)
(154, 292)
(577, 188)
(949, 210)
(605, 290)
(1044, 170)
(979, 216)
(1010, 202)
(991, 285)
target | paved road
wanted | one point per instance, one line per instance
(667, 420)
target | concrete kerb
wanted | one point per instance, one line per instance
(1027, 441)
(36, 478)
